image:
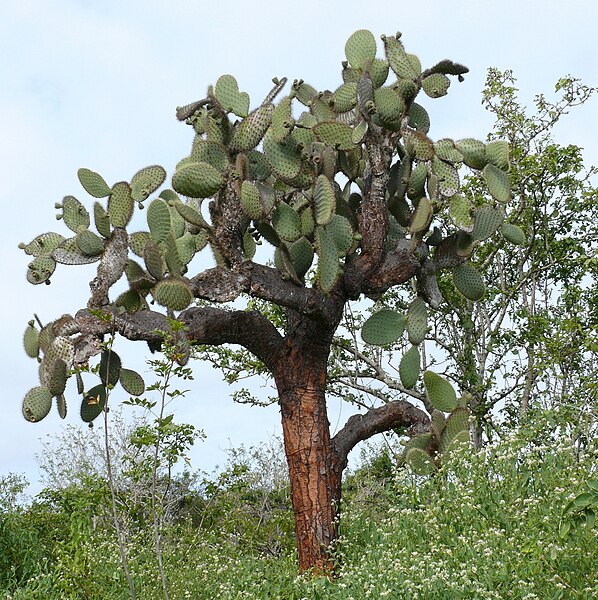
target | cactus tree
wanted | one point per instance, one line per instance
(346, 194)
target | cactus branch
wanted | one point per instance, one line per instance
(361, 427)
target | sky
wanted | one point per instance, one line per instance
(95, 84)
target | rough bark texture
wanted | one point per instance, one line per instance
(300, 374)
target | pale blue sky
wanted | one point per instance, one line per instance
(96, 83)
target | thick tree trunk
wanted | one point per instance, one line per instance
(315, 484)
(314, 471)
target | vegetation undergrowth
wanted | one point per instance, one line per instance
(487, 525)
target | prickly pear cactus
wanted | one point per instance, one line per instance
(313, 174)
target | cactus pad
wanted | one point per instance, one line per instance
(120, 204)
(110, 366)
(228, 95)
(154, 260)
(185, 247)
(440, 392)
(93, 183)
(61, 406)
(251, 130)
(383, 327)
(448, 178)
(445, 150)
(37, 404)
(513, 233)
(344, 97)
(286, 222)
(328, 267)
(282, 120)
(284, 158)
(74, 214)
(210, 152)
(335, 134)
(417, 181)
(68, 253)
(436, 85)
(420, 461)
(379, 72)
(57, 377)
(417, 321)
(175, 294)
(197, 180)
(251, 201)
(31, 340)
(138, 241)
(301, 254)
(456, 425)
(341, 232)
(89, 243)
(132, 382)
(191, 215)
(419, 118)
(487, 220)
(360, 49)
(419, 145)
(422, 216)
(324, 200)
(93, 403)
(460, 212)
(409, 367)
(473, 151)
(101, 220)
(389, 104)
(146, 182)
(158, 220)
(497, 152)
(497, 182)
(469, 281)
(40, 269)
(43, 245)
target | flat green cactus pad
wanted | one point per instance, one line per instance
(93, 403)
(440, 392)
(469, 281)
(383, 327)
(93, 183)
(513, 234)
(132, 382)
(110, 367)
(360, 49)
(37, 404)
(409, 367)
(175, 294)
(197, 180)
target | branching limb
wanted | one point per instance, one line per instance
(398, 413)
(206, 325)
(223, 285)
(373, 218)
(399, 265)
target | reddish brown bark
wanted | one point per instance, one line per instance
(300, 374)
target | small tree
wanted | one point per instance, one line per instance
(354, 197)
